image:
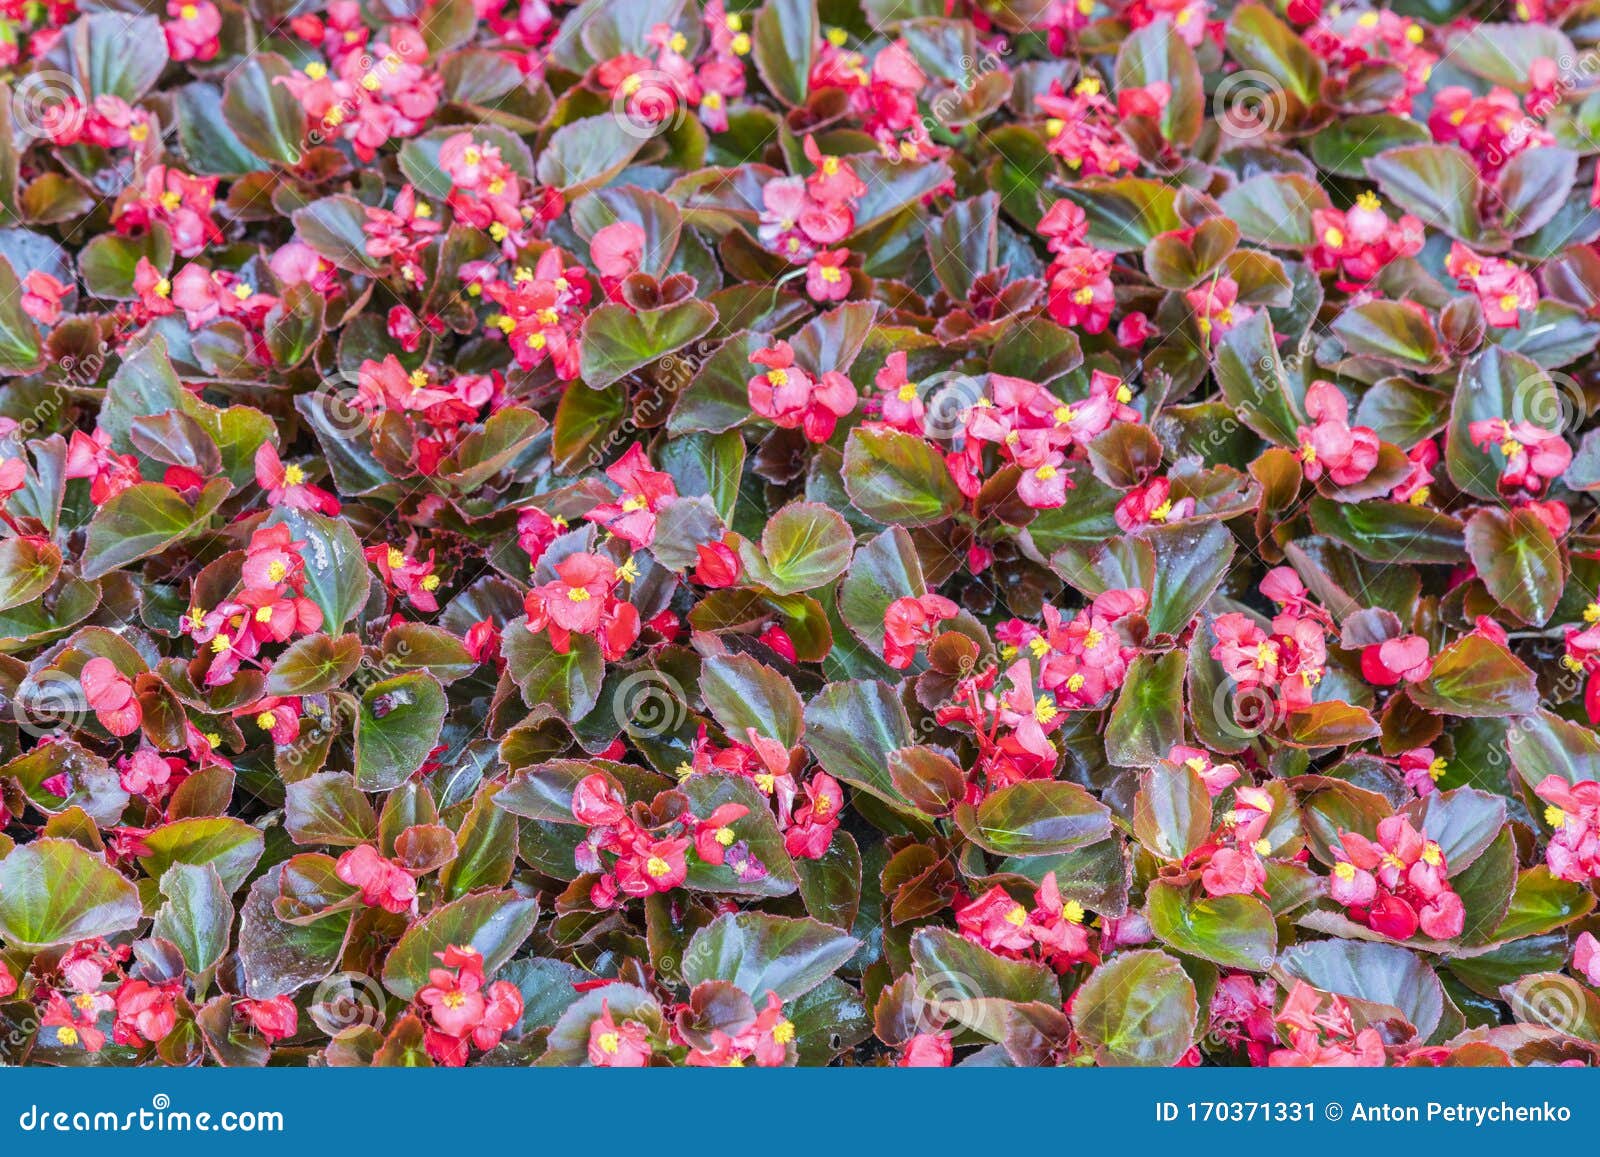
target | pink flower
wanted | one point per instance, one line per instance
(1573, 812)
(1405, 658)
(1504, 289)
(716, 565)
(1532, 455)
(618, 1046)
(1152, 503)
(110, 695)
(826, 277)
(275, 1019)
(41, 297)
(287, 485)
(146, 1013)
(194, 32)
(927, 1050)
(1081, 295)
(617, 249)
(1585, 957)
(1216, 307)
(909, 623)
(789, 397)
(1346, 454)
(644, 493)
(383, 883)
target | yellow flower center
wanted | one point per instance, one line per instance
(578, 595)
(657, 867)
(276, 571)
(266, 720)
(778, 377)
(610, 1042)
(293, 475)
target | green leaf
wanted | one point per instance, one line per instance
(1139, 1008)
(1519, 561)
(971, 985)
(277, 958)
(742, 693)
(1156, 54)
(142, 520)
(197, 915)
(337, 577)
(263, 113)
(333, 227)
(618, 341)
(1344, 146)
(1275, 209)
(1477, 677)
(1172, 812)
(586, 154)
(488, 848)
(28, 568)
(397, 726)
(1126, 214)
(314, 664)
(1145, 723)
(492, 923)
(1390, 331)
(852, 729)
(1544, 744)
(1540, 903)
(803, 546)
(1233, 931)
(1253, 381)
(54, 892)
(328, 808)
(1438, 183)
(895, 477)
(1390, 532)
(227, 844)
(1379, 973)
(569, 683)
(1035, 818)
(785, 41)
(760, 953)
(1257, 39)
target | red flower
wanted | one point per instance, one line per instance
(618, 1046)
(714, 834)
(1405, 658)
(788, 397)
(717, 565)
(909, 623)
(145, 1013)
(110, 695)
(644, 493)
(383, 883)
(287, 485)
(276, 1019)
